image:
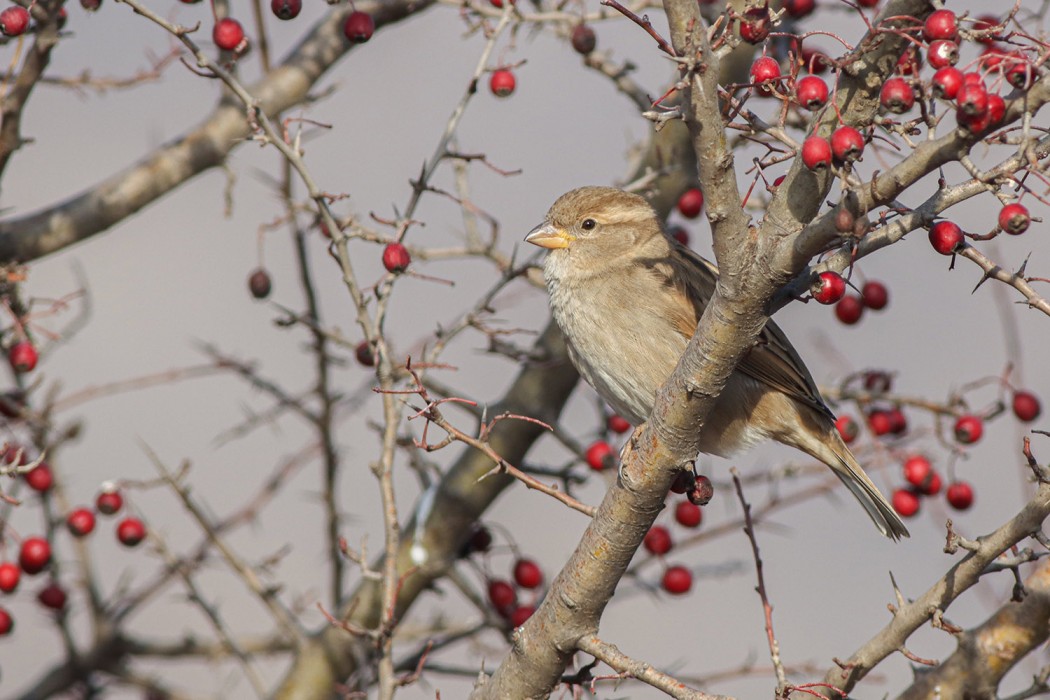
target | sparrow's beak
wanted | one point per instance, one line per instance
(549, 236)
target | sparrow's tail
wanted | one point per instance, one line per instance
(822, 440)
(846, 468)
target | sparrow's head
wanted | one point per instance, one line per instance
(593, 218)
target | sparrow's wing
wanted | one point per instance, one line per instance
(772, 361)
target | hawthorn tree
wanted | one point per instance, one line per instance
(818, 140)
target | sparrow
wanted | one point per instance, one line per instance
(628, 298)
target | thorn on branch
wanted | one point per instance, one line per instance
(938, 622)
(916, 659)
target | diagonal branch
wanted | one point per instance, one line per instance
(931, 604)
(107, 203)
(986, 653)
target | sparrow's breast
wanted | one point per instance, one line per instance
(618, 339)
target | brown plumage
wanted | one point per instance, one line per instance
(628, 298)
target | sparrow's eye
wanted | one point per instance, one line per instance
(588, 224)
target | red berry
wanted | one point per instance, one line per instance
(765, 72)
(1014, 219)
(974, 124)
(80, 522)
(131, 531)
(618, 424)
(897, 96)
(227, 34)
(34, 555)
(847, 144)
(528, 574)
(941, 24)
(499, 3)
(988, 24)
(396, 258)
(364, 354)
(1026, 406)
(974, 78)
(908, 63)
(359, 27)
(993, 58)
(943, 53)
(848, 428)
(917, 470)
(960, 495)
(520, 615)
(91, 5)
(10, 575)
(7, 623)
(905, 502)
(702, 491)
(1019, 74)
(583, 39)
(996, 109)
(814, 61)
(877, 382)
(480, 540)
(286, 9)
(259, 284)
(946, 237)
(40, 478)
(657, 540)
(816, 153)
(754, 25)
(14, 455)
(502, 82)
(688, 514)
(932, 485)
(677, 580)
(829, 287)
(849, 309)
(874, 295)
(14, 21)
(109, 500)
(679, 234)
(799, 8)
(691, 203)
(600, 455)
(972, 99)
(811, 92)
(502, 595)
(879, 422)
(868, 3)
(968, 429)
(22, 356)
(898, 423)
(946, 82)
(52, 596)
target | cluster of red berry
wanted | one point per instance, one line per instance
(677, 579)
(830, 288)
(923, 480)
(973, 95)
(919, 474)
(34, 554)
(504, 595)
